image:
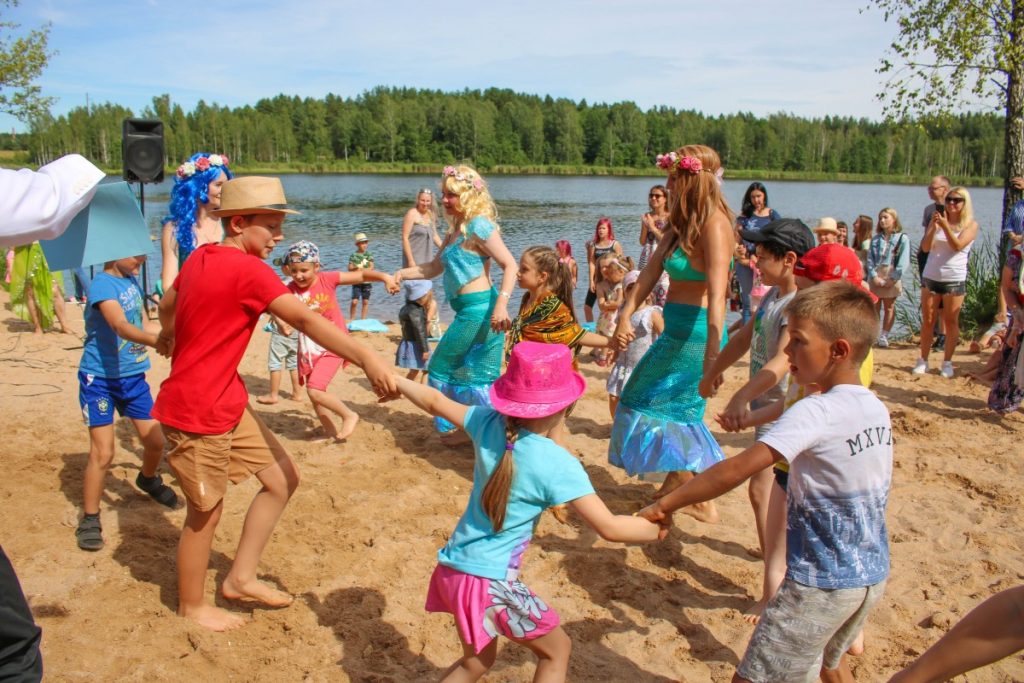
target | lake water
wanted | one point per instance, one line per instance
(542, 209)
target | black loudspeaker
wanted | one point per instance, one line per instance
(142, 145)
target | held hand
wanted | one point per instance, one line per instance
(499, 318)
(725, 427)
(624, 333)
(706, 387)
(397, 277)
(734, 417)
(653, 513)
(381, 378)
(164, 346)
(391, 285)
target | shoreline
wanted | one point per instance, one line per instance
(580, 170)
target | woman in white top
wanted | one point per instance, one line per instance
(947, 240)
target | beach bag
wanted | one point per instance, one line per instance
(893, 288)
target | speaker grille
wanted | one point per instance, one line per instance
(143, 150)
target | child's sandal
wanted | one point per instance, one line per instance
(89, 534)
(157, 490)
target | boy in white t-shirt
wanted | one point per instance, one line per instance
(839, 448)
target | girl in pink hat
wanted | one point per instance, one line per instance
(519, 472)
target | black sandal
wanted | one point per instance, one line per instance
(89, 534)
(157, 490)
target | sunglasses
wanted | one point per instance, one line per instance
(654, 194)
(426, 190)
(954, 200)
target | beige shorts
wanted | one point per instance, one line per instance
(205, 463)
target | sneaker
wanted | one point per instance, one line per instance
(157, 490)
(883, 341)
(921, 367)
(939, 343)
(947, 369)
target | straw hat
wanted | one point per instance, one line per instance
(252, 195)
(827, 225)
(538, 382)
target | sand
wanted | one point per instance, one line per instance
(358, 541)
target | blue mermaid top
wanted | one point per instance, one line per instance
(461, 265)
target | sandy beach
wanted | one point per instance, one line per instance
(358, 541)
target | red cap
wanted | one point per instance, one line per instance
(831, 262)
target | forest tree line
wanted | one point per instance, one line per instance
(497, 127)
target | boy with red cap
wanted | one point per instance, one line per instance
(821, 264)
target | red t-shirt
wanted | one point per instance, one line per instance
(222, 292)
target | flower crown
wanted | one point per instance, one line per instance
(693, 165)
(190, 168)
(450, 172)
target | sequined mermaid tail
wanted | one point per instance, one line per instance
(659, 424)
(467, 360)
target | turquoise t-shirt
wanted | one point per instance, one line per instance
(104, 353)
(545, 475)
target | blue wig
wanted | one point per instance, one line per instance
(189, 191)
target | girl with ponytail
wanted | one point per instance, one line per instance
(519, 471)
(546, 313)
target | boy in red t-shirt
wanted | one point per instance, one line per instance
(317, 365)
(213, 437)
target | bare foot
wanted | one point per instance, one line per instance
(756, 552)
(254, 591)
(673, 481)
(455, 438)
(702, 512)
(213, 618)
(857, 648)
(753, 615)
(295, 397)
(348, 425)
(267, 400)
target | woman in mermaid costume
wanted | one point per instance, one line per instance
(659, 424)
(467, 360)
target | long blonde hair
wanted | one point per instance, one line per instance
(494, 499)
(695, 196)
(966, 213)
(474, 197)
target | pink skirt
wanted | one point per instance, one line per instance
(486, 608)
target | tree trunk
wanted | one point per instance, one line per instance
(1014, 122)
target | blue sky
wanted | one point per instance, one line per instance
(810, 58)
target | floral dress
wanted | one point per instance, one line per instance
(1008, 389)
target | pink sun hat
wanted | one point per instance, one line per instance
(538, 382)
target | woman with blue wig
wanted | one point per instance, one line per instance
(188, 224)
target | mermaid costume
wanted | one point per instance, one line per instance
(467, 360)
(659, 423)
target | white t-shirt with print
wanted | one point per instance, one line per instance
(839, 448)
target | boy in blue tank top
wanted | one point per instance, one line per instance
(111, 377)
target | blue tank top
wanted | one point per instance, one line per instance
(678, 267)
(462, 266)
